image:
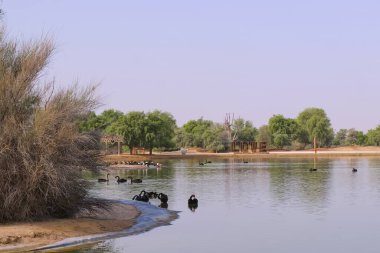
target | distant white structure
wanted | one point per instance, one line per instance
(183, 151)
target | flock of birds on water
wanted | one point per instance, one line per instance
(354, 170)
(146, 196)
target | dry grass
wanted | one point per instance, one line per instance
(42, 152)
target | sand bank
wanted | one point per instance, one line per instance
(321, 152)
(31, 235)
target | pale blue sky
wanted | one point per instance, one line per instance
(206, 58)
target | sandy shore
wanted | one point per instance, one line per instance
(26, 236)
(321, 152)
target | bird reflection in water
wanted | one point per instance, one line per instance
(192, 203)
(163, 205)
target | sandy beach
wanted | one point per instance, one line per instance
(369, 151)
(19, 237)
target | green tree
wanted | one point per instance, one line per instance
(355, 137)
(103, 123)
(315, 123)
(131, 126)
(195, 130)
(283, 130)
(213, 138)
(264, 135)
(159, 130)
(244, 130)
(182, 138)
(340, 137)
(373, 136)
(361, 138)
(91, 123)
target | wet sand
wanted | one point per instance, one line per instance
(20, 237)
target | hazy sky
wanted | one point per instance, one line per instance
(207, 58)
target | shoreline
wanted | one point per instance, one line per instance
(123, 218)
(149, 217)
(22, 236)
(176, 155)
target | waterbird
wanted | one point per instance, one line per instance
(103, 179)
(136, 180)
(141, 197)
(192, 200)
(152, 195)
(120, 180)
(354, 170)
(312, 169)
(163, 197)
(201, 164)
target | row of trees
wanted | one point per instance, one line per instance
(150, 130)
(158, 130)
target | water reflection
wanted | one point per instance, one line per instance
(163, 205)
(192, 207)
(248, 206)
(192, 203)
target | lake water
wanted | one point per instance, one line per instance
(268, 205)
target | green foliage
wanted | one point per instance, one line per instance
(283, 130)
(195, 130)
(213, 138)
(103, 123)
(264, 135)
(361, 138)
(159, 130)
(315, 123)
(355, 137)
(132, 127)
(340, 137)
(201, 133)
(181, 137)
(373, 136)
(244, 130)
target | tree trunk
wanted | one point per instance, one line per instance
(150, 151)
(130, 149)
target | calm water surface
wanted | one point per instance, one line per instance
(275, 205)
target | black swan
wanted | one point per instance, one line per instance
(103, 180)
(192, 200)
(120, 180)
(311, 169)
(354, 170)
(163, 197)
(152, 195)
(201, 164)
(137, 180)
(141, 197)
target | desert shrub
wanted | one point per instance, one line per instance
(42, 152)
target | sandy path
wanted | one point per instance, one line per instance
(30, 235)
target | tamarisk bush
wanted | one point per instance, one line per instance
(42, 152)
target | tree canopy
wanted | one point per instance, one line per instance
(283, 130)
(315, 123)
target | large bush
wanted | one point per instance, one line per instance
(42, 152)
